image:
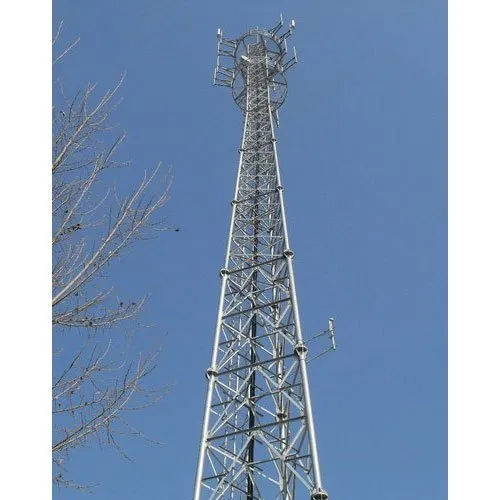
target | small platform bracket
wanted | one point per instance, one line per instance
(330, 334)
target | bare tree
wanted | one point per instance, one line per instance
(95, 385)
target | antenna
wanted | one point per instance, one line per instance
(330, 333)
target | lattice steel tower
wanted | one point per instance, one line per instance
(258, 439)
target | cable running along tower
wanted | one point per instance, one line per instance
(258, 440)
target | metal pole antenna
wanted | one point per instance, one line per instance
(258, 439)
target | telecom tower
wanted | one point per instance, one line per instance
(258, 439)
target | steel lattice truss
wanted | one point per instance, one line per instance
(258, 437)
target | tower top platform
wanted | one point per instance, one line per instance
(234, 56)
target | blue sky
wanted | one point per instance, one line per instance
(362, 147)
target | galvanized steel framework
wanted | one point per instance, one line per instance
(258, 439)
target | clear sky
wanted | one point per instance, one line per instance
(362, 147)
